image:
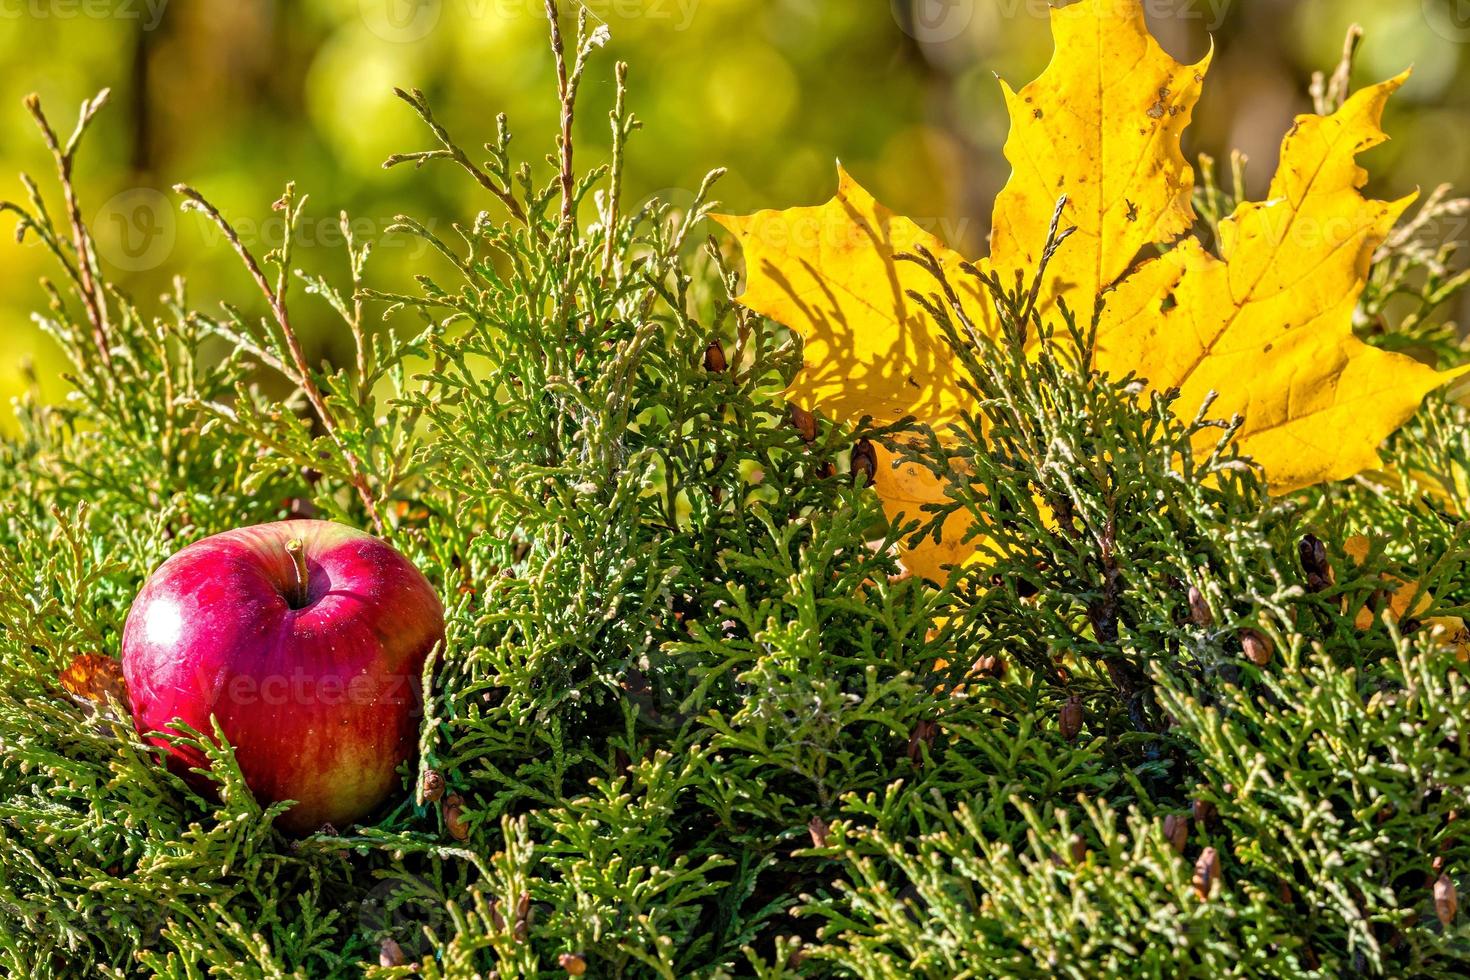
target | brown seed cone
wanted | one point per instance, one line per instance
(1070, 721)
(1199, 609)
(1206, 872)
(865, 462)
(390, 953)
(432, 786)
(454, 819)
(1446, 900)
(1256, 646)
(817, 827)
(714, 358)
(804, 422)
(523, 917)
(923, 734)
(573, 964)
(1204, 812)
(1314, 562)
(1176, 829)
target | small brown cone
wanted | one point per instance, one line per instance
(1314, 562)
(818, 829)
(714, 358)
(432, 786)
(865, 462)
(804, 422)
(1070, 721)
(1176, 829)
(390, 953)
(1256, 646)
(923, 734)
(1206, 873)
(1199, 609)
(523, 917)
(1446, 900)
(574, 965)
(454, 820)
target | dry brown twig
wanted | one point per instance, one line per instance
(276, 298)
(88, 278)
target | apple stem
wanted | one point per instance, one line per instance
(297, 552)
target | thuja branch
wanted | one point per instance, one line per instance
(567, 84)
(622, 125)
(86, 273)
(276, 298)
(451, 151)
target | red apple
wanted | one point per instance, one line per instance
(306, 640)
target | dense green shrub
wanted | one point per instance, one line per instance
(698, 722)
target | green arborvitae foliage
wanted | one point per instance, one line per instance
(690, 718)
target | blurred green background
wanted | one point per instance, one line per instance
(237, 98)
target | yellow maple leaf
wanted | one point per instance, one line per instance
(904, 489)
(833, 273)
(1101, 126)
(1267, 323)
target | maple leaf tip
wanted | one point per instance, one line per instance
(1203, 65)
